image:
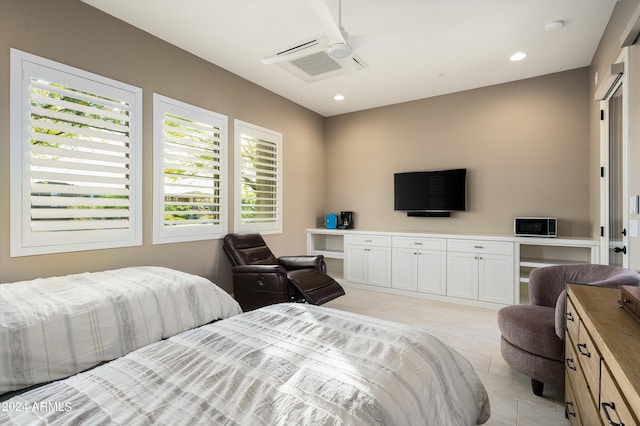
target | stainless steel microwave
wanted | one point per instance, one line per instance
(535, 227)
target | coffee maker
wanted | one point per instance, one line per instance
(346, 220)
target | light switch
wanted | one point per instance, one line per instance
(634, 204)
(633, 228)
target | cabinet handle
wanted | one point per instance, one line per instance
(569, 316)
(569, 412)
(367, 241)
(571, 364)
(478, 247)
(586, 352)
(417, 243)
(605, 408)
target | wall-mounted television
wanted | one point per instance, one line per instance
(431, 193)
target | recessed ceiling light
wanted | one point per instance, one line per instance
(338, 97)
(518, 56)
(555, 25)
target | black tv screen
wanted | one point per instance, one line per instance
(435, 191)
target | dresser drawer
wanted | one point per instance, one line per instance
(368, 240)
(572, 321)
(589, 360)
(570, 404)
(579, 395)
(479, 246)
(613, 407)
(420, 243)
(629, 302)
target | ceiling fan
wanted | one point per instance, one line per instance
(322, 56)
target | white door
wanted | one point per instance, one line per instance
(379, 266)
(355, 264)
(495, 279)
(462, 275)
(432, 272)
(614, 189)
(404, 269)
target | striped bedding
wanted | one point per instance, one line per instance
(55, 327)
(284, 364)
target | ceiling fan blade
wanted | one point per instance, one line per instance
(292, 56)
(373, 41)
(349, 68)
(329, 25)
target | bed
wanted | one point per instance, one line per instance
(281, 364)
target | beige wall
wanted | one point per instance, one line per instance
(608, 52)
(525, 146)
(78, 35)
(530, 146)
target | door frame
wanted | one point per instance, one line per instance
(604, 162)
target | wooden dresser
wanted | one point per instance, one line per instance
(602, 359)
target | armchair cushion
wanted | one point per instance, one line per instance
(532, 329)
(302, 262)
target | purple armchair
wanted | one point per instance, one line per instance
(533, 335)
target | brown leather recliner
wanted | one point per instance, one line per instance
(260, 278)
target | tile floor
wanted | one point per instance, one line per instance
(474, 333)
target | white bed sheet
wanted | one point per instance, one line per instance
(280, 365)
(52, 328)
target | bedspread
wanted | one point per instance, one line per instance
(51, 328)
(280, 365)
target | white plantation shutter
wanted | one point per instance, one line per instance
(75, 159)
(258, 179)
(190, 150)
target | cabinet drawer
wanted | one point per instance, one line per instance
(572, 321)
(589, 359)
(579, 396)
(629, 302)
(368, 240)
(613, 407)
(420, 243)
(570, 404)
(478, 246)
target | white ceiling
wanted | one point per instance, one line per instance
(459, 44)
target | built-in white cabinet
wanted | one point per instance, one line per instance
(419, 264)
(477, 270)
(367, 260)
(480, 270)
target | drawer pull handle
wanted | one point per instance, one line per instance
(569, 412)
(569, 316)
(261, 281)
(605, 408)
(478, 247)
(367, 241)
(586, 352)
(571, 364)
(418, 244)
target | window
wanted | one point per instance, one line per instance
(258, 179)
(190, 151)
(75, 159)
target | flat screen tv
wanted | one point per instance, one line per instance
(436, 191)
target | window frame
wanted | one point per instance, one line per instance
(163, 234)
(275, 138)
(24, 241)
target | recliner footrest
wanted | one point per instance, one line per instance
(316, 286)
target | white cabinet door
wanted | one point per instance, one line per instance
(355, 264)
(462, 275)
(379, 266)
(496, 278)
(432, 272)
(404, 269)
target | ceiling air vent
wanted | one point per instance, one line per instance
(315, 66)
